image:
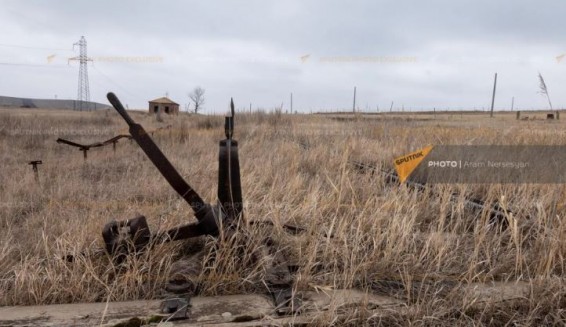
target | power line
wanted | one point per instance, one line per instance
(33, 48)
(113, 82)
(31, 65)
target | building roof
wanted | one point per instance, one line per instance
(163, 100)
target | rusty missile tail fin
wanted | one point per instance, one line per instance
(229, 122)
(229, 185)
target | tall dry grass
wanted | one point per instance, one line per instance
(361, 233)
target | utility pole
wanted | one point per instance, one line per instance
(512, 103)
(83, 94)
(391, 108)
(291, 102)
(493, 96)
(354, 106)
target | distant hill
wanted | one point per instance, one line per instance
(50, 104)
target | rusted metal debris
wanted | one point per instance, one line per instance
(497, 214)
(130, 236)
(82, 147)
(115, 140)
(85, 147)
(209, 217)
(34, 165)
(177, 308)
(124, 237)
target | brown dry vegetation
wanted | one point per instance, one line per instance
(386, 239)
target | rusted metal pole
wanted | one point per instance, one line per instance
(34, 165)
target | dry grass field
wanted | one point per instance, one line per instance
(360, 232)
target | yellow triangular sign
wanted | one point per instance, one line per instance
(406, 164)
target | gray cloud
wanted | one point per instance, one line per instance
(251, 50)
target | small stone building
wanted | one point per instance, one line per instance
(164, 105)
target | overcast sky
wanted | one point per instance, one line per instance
(419, 54)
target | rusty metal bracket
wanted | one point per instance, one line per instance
(85, 147)
(82, 147)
